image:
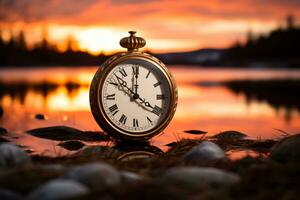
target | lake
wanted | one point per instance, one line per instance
(62, 95)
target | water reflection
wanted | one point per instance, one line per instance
(62, 95)
(133, 151)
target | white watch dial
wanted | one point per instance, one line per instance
(136, 96)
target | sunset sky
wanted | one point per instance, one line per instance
(167, 25)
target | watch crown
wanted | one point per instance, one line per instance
(132, 43)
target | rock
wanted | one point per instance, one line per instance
(287, 149)
(195, 177)
(12, 156)
(205, 151)
(9, 195)
(95, 175)
(72, 145)
(2, 131)
(58, 189)
(62, 133)
(195, 132)
(130, 177)
(40, 116)
(226, 135)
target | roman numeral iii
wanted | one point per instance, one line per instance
(160, 97)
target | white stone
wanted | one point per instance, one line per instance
(12, 155)
(58, 189)
(205, 151)
(95, 175)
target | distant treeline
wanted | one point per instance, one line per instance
(15, 52)
(280, 45)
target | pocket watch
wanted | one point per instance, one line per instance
(133, 96)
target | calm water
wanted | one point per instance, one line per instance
(207, 106)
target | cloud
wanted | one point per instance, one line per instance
(38, 10)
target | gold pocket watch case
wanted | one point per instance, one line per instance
(133, 96)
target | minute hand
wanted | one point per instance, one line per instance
(123, 84)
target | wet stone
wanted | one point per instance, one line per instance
(227, 135)
(196, 177)
(205, 151)
(95, 175)
(287, 149)
(12, 156)
(58, 189)
(63, 133)
(72, 145)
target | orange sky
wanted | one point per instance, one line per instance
(167, 25)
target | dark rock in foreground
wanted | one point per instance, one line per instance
(63, 133)
(287, 150)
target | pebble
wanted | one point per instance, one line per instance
(72, 145)
(12, 156)
(95, 175)
(287, 149)
(9, 195)
(40, 116)
(195, 177)
(226, 135)
(205, 151)
(58, 189)
(195, 132)
(130, 177)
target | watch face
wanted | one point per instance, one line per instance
(135, 96)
